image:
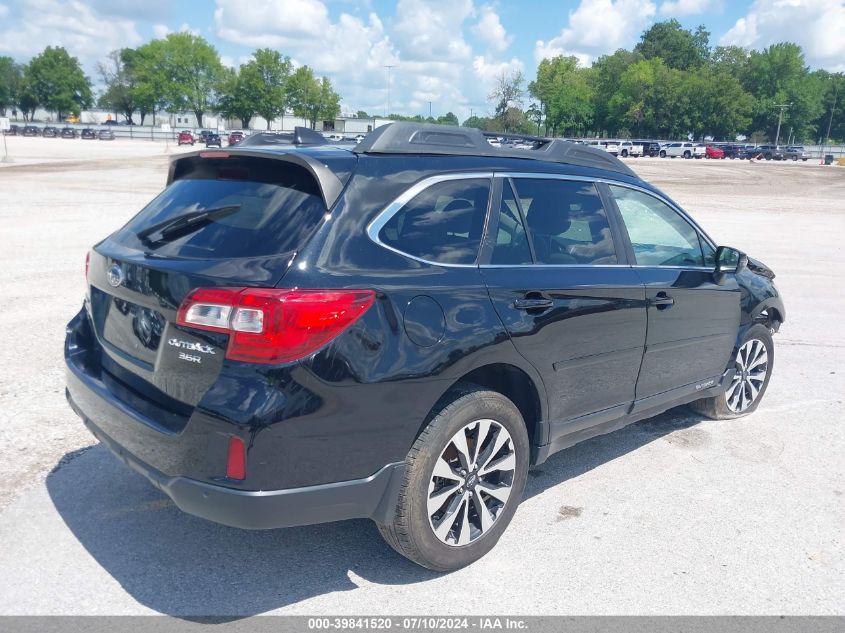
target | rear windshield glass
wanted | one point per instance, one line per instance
(268, 208)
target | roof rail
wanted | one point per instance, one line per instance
(421, 138)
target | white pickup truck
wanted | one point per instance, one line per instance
(686, 150)
(611, 147)
(627, 148)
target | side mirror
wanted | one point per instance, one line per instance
(730, 260)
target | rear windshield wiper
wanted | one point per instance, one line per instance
(184, 224)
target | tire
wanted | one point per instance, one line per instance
(624, 153)
(724, 406)
(662, 153)
(687, 154)
(794, 158)
(412, 530)
(768, 157)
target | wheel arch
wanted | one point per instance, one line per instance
(526, 392)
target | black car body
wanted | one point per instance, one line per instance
(88, 133)
(273, 339)
(213, 140)
(68, 132)
(50, 132)
(732, 150)
(105, 135)
(13, 130)
(30, 130)
(650, 148)
(769, 152)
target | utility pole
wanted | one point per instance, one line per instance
(832, 108)
(782, 107)
(429, 109)
(389, 68)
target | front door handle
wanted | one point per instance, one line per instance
(662, 301)
(533, 304)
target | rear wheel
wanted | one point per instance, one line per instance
(753, 367)
(687, 154)
(624, 153)
(464, 478)
(662, 153)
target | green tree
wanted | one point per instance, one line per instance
(507, 97)
(311, 98)
(151, 79)
(58, 83)
(675, 45)
(731, 60)
(191, 71)
(361, 114)
(604, 79)
(11, 77)
(119, 84)
(481, 123)
(565, 93)
(264, 81)
(235, 102)
(447, 119)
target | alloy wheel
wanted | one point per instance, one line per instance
(752, 366)
(471, 482)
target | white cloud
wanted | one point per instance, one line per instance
(423, 40)
(160, 31)
(597, 27)
(681, 8)
(489, 29)
(69, 23)
(4, 10)
(817, 25)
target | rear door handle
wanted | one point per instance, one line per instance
(533, 304)
(662, 301)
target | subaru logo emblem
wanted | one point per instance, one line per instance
(115, 275)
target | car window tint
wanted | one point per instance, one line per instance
(511, 241)
(567, 221)
(441, 224)
(658, 234)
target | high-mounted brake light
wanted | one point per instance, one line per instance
(271, 325)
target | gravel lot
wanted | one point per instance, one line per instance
(674, 515)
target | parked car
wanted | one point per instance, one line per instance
(203, 134)
(411, 357)
(213, 140)
(610, 147)
(88, 133)
(235, 137)
(732, 150)
(110, 122)
(770, 152)
(50, 132)
(30, 130)
(359, 137)
(713, 151)
(68, 132)
(795, 152)
(628, 148)
(105, 135)
(185, 138)
(13, 130)
(685, 150)
(650, 148)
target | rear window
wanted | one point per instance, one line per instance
(269, 208)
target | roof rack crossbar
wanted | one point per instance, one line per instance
(421, 138)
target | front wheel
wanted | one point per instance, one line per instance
(753, 365)
(624, 153)
(464, 478)
(662, 154)
(687, 154)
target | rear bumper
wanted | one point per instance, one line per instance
(372, 498)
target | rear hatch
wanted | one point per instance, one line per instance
(225, 219)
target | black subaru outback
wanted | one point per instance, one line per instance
(399, 330)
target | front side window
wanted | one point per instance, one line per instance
(441, 224)
(658, 234)
(511, 247)
(567, 222)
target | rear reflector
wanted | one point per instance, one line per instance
(236, 459)
(271, 325)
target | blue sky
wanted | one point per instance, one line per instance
(448, 52)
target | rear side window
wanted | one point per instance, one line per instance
(566, 221)
(256, 208)
(441, 224)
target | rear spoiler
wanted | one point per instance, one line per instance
(329, 184)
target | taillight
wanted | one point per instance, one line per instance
(270, 325)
